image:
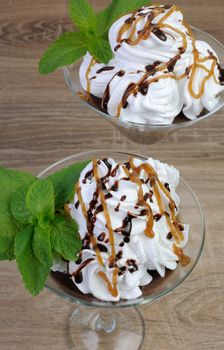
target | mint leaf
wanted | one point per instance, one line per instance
(7, 256)
(34, 273)
(18, 206)
(100, 49)
(64, 182)
(6, 244)
(8, 230)
(40, 200)
(10, 181)
(67, 49)
(117, 9)
(65, 238)
(82, 14)
(56, 257)
(103, 20)
(42, 246)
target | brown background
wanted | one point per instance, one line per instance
(40, 122)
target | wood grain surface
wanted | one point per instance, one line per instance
(40, 122)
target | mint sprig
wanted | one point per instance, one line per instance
(91, 35)
(33, 224)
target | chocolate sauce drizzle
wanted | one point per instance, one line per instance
(106, 96)
(133, 173)
(221, 74)
(104, 69)
(102, 237)
(78, 272)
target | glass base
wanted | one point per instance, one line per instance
(100, 329)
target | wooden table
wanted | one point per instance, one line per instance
(40, 122)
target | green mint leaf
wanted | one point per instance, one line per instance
(10, 181)
(65, 238)
(8, 230)
(42, 246)
(34, 273)
(103, 20)
(56, 257)
(118, 8)
(40, 200)
(67, 49)
(100, 49)
(6, 244)
(64, 182)
(82, 14)
(18, 206)
(7, 256)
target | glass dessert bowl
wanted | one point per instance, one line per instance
(119, 325)
(147, 133)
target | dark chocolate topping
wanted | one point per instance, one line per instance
(221, 74)
(104, 69)
(159, 34)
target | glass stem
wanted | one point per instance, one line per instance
(106, 321)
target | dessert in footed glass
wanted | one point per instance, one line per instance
(106, 230)
(141, 67)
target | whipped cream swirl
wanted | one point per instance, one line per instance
(204, 97)
(158, 69)
(164, 42)
(125, 234)
(156, 103)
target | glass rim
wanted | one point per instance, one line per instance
(141, 300)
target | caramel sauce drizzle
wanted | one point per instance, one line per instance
(195, 67)
(88, 81)
(112, 287)
(167, 15)
(87, 95)
(131, 24)
(184, 259)
(141, 201)
(172, 222)
(133, 30)
(105, 209)
(183, 35)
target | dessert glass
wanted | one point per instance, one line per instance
(95, 324)
(147, 133)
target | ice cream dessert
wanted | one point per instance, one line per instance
(129, 225)
(158, 69)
